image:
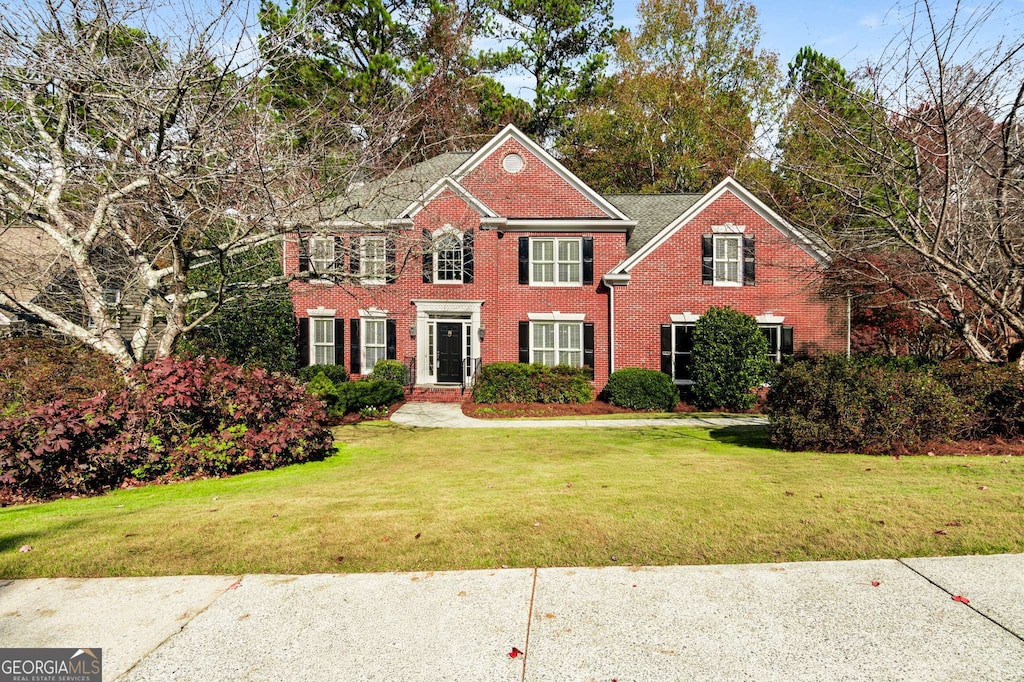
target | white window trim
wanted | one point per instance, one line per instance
(556, 316)
(363, 260)
(777, 326)
(555, 262)
(313, 319)
(330, 262)
(447, 231)
(715, 261)
(364, 360)
(728, 228)
(558, 350)
(684, 320)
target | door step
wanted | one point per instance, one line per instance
(436, 394)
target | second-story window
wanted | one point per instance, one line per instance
(373, 261)
(555, 262)
(321, 254)
(448, 258)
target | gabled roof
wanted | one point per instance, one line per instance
(511, 132)
(438, 187)
(390, 196)
(652, 212)
(739, 191)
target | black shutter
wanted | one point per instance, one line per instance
(391, 272)
(353, 347)
(588, 346)
(524, 342)
(339, 341)
(339, 258)
(707, 253)
(303, 254)
(588, 260)
(354, 249)
(467, 257)
(524, 260)
(748, 260)
(391, 339)
(787, 340)
(666, 349)
(303, 342)
(428, 258)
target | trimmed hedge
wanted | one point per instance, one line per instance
(517, 382)
(835, 404)
(993, 397)
(336, 373)
(183, 418)
(353, 396)
(730, 359)
(389, 370)
(641, 389)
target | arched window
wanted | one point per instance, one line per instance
(448, 258)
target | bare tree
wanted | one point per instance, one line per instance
(139, 170)
(919, 157)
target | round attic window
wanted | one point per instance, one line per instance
(513, 163)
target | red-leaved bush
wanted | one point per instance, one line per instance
(182, 418)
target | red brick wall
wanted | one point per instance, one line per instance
(668, 281)
(536, 191)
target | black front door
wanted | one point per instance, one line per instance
(449, 352)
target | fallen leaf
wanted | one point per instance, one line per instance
(568, 485)
(962, 600)
(614, 558)
(385, 538)
(25, 548)
(235, 585)
(418, 535)
(940, 532)
(789, 493)
(875, 583)
(982, 487)
(954, 524)
(536, 524)
(515, 652)
(868, 469)
(634, 585)
(340, 559)
(273, 516)
(881, 522)
(819, 496)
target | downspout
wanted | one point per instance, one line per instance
(611, 330)
(848, 315)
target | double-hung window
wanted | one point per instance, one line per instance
(321, 254)
(323, 340)
(682, 352)
(557, 343)
(373, 260)
(555, 262)
(374, 343)
(448, 258)
(728, 259)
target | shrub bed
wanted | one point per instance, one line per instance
(355, 396)
(835, 404)
(517, 382)
(641, 389)
(182, 418)
(389, 370)
(34, 371)
(336, 373)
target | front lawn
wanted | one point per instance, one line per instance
(398, 498)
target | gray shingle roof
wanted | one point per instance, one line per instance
(652, 212)
(387, 197)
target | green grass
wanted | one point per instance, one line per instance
(398, 498)
(650, 415)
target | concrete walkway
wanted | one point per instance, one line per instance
(448, 415)
(796, 621)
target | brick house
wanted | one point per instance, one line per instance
(505, 255)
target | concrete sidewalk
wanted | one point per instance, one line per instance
(796, 621)
(448, 415)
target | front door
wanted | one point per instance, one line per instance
(449, 352)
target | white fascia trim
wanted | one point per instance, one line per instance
(440, 305)
(768, 318)
(375, 313)
(685, 318)
(617, 279)
(438, 187)
(511, 131)
(391, 222)
(320, 312)
(741, 193)
(556, 316)
(563, 225)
